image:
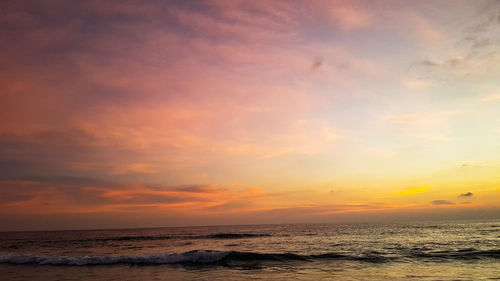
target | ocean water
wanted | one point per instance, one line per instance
(399, 251)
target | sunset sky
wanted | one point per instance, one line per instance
(168, 113)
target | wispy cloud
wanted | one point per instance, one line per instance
(491, 98)
(442, 202)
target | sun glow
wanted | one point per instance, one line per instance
(248, 111)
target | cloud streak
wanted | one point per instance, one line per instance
(442, 202)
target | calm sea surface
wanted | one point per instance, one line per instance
(401, 251)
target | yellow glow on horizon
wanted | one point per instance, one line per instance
(414, 190)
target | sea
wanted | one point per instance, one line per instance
(468, 250)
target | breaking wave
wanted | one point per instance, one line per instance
(464, 254)
(227, 258)
(193, 257)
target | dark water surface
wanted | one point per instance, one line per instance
(399, 251)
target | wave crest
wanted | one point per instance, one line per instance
(229, 258)
(192, 257)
